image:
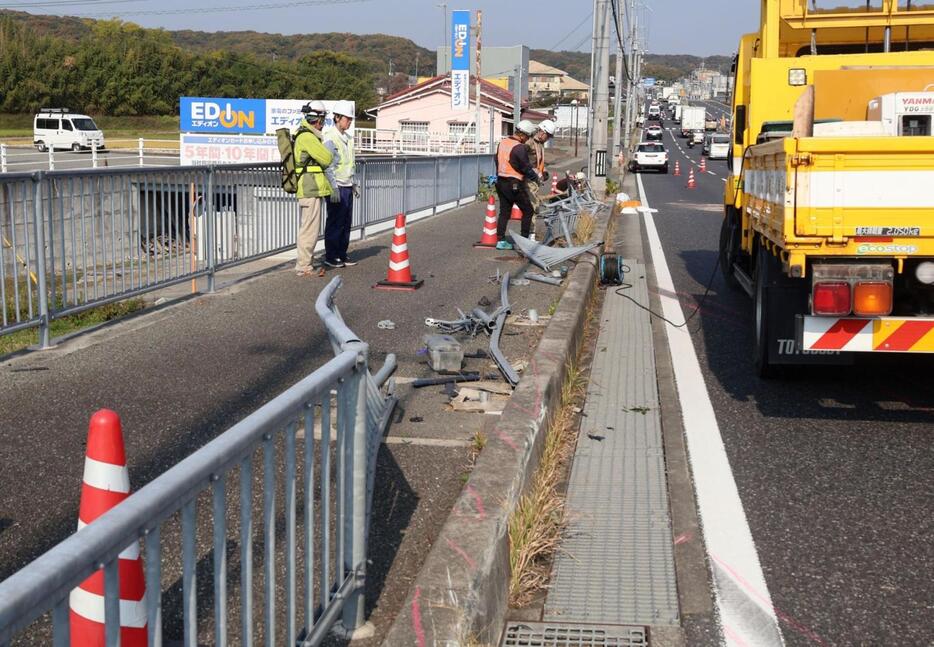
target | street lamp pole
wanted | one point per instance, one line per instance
(574, 103)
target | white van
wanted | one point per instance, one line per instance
(719, 147)
(59, 128)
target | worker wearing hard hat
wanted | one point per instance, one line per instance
(536, 146)
(513, 170)
(341, 175)
(311, 158)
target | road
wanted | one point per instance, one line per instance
(833, 464)
(26, 159)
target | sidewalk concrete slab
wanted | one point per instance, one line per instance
(616, 563)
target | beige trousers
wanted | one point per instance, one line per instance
(308, 230)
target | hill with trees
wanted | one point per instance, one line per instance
(118, 68)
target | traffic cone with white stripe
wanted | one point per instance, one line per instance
(516, 213)
(488, 239)
(106, 483)
(703, 164)
(677, 168)
(400, 275)
(692, 183)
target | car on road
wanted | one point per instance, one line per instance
(710, 123)
(695, 137)
(653, 132)
(59, 128)
(718, 146)
(649, 155)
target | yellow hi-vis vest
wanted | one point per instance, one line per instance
(344, 170)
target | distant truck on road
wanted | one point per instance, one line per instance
(692, 118)
(829, 213)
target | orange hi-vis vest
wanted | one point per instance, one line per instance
(503, 167)
(539, 156)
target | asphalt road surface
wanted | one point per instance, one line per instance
(833, 464)
(26, 159)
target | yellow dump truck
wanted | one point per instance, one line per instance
(829, 207)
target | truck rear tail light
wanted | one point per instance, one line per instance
(872, 298)
(831, 298)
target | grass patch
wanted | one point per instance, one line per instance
(586, 225)
(22, 339)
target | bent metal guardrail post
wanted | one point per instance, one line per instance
(332, 577)
(504, 310)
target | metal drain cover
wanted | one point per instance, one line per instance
(550, 634)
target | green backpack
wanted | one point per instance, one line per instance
(286, 143)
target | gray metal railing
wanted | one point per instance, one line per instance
(73, 240)
(315, 442)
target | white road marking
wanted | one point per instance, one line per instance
(746, 613)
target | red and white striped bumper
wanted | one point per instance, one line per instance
(881, 334)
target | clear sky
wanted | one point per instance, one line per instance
(700, 27)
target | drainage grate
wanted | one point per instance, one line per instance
(538, 634)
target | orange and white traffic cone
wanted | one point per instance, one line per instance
(677, 168)
(106, 483)
(703, 164)
(692, 183)
(400, 275)
(488, 239)
(554, 184)
(516, 213)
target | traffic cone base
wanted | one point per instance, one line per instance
(400, 275)
(488, 239)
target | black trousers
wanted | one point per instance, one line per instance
(512, 191)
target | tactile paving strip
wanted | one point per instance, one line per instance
(536, 634)
(616, 563)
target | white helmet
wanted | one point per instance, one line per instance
(314, 109)
(343, 108)
(526, 126)
(548, 126)
(580, 176)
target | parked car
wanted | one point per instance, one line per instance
(653, 132)
(695, 137)
(649, 155)
(60, 128)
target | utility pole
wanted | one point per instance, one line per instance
(618, 126)
(631, 107)
(599, 96)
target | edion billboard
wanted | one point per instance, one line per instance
(218, 115)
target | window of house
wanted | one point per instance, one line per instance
(458, 128)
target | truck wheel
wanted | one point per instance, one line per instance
(765, 268)
(729, 246)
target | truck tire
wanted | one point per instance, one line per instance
(730, 240)
(765, 268)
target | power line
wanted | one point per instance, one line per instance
(554, 47)
(224, 9)
(619, 39)
(62, 3)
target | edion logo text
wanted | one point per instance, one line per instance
(226, 115)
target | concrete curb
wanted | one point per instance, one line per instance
(461, 591)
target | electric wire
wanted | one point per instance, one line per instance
(619, 39)
(223, 9)
(554, 47)
(697, 308)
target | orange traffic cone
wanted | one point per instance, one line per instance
(106, 483)
(703, 164)
(400, 275)
(677, 168)
(554, 184)
(692, 183)
(516, 213)
(488, 239)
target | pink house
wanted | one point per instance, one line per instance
(426, 108)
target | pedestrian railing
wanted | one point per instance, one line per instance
(74, 240)
(119, 153)
(314, 443)
(397, 142)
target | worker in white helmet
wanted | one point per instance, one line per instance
(341, 175)
(536, 145)
(513, 170)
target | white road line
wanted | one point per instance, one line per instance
(746, 613)
(711, 172)
(723, 179)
